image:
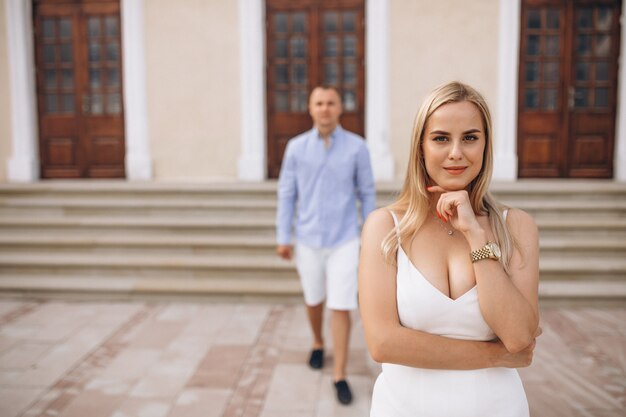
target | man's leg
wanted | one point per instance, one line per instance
(316, 320)
(340, 327)
(342, 298)
(310, 265)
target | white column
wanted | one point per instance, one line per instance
(138, 160)
(251, 164)
(23, 165)
(377, 89)
(620, 132)
(505, 124)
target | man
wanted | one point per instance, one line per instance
(324, 171)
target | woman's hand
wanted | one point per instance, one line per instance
(455, 208)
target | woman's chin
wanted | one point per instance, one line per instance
(455, 186)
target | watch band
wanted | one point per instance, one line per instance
(483, 253)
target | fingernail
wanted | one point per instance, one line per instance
(438, 215)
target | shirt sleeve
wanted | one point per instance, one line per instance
(365, 183)
(287, 195)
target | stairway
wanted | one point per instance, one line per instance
(121, 239)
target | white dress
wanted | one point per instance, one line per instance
(402, 391)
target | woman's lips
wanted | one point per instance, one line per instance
(455, 170)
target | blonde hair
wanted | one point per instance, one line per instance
(414, 199)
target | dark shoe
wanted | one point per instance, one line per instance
(344, 395)
(316, 361)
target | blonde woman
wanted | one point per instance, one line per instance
(448, 277)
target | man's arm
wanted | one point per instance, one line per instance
(365, 183)
(287, 195)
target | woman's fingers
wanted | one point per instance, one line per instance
(440, 210)
(446, 206)
(436, 189)
(449, 202)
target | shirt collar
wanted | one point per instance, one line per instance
(333, 135)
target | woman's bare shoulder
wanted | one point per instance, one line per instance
(520, 221)
(380, 217)
(379, 222)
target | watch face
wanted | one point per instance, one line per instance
(496, 250)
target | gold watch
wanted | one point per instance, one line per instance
(491, 250)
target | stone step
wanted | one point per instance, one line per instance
(587, 270)
(604, 247)
(137, 286)
(210, 266)
(261, 227)
(129, 285)
(205, 267)
(137, 225)
(133, 238)
(138, 244)
(524, 190)
(130, 207)
(582, 247)
(570, 290)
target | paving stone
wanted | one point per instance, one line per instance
(142, 408)
(226, 359)
(23, 355)
(200, 402)
(14, 400)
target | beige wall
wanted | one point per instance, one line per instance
(431, 42)
(5, 109)
(192, 65)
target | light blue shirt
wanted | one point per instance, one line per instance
(325, 183)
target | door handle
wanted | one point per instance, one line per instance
(86, 104)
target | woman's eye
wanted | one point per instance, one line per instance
(440, 138)
(471, 138)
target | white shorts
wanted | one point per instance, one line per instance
(329, 274)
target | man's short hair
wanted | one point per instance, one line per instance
(326, 87)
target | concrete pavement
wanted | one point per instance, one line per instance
(226, 359)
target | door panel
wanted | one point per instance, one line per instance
(57, 40)
(541, 99)
(102, 98)
(289, 46)
(78, 62)
(311, 43)
(568, 88)
(594, 80)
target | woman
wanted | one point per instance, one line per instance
(448, 278)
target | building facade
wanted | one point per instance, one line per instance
(211, 90)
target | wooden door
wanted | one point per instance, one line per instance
(310, 43)
(568, 88)
(79, 88)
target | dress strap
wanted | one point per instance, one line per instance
(504, 213)
(395, 221)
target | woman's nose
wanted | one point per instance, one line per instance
(455, 151)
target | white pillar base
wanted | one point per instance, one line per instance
(138, 158)
(23, 165)
(377, 89)
(23, 169)
(251, 163)
(505, 129)
(505, 167)
(138, 167)
(383, 165)
(251, 168)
